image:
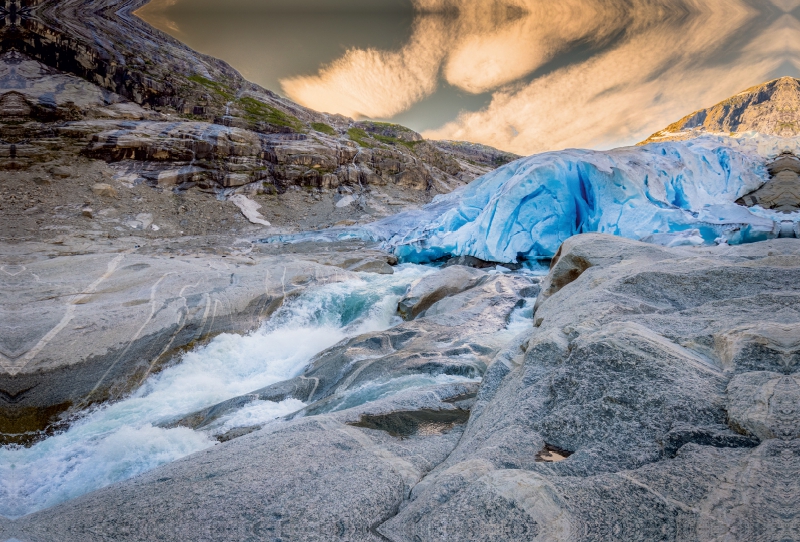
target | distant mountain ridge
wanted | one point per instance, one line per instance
(772, 108)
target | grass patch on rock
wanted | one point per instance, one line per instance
(411, 145)
(390, 134)
(218, 88)
(360, 136)
(256, 111)
(323, 128)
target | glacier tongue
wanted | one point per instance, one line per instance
(670, 193)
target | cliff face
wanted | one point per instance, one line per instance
(103, 42)
(772, 108)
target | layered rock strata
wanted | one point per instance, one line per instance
(87, 82)
(782, 192)
(771, 108)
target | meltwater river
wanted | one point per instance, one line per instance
(119, 440)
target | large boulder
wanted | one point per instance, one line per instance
(665, 381)
(433, 288)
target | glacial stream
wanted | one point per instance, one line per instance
(120, 440)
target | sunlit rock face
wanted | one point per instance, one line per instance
(772, 109)
(782, 192)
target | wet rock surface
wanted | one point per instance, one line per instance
(86, 327)
(408, 423)
(657, 380)
(430, 290)
(455, 343)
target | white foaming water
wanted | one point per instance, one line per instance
(120, 440)
(520, 321)
(258, 412)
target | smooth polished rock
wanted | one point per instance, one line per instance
(84, 328)
(429, 290)
(654, 400)
(456, 343)
(313, 479)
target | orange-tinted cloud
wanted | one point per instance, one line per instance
(155, 13)
(654, 61)
(372, 83)
(645, 82)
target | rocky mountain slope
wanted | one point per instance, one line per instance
(772, 108)
(91, 95)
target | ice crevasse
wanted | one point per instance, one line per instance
(671, 193)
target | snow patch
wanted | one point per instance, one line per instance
(249, 209)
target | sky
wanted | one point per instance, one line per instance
(524, 76)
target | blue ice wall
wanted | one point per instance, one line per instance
(670, 193)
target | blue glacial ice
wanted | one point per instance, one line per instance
(670, 193)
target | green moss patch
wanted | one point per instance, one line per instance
(386, 133)
(360, 136)
(256, 111)
(323, 128)
(218, 88)
(396, 141)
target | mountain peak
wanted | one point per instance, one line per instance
(771, 108)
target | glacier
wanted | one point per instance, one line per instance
(670, 193)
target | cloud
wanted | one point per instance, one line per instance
(652, 77)
(485, 44)
(155, 13)
(372, 83)
(653, 62)
(497, 43)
